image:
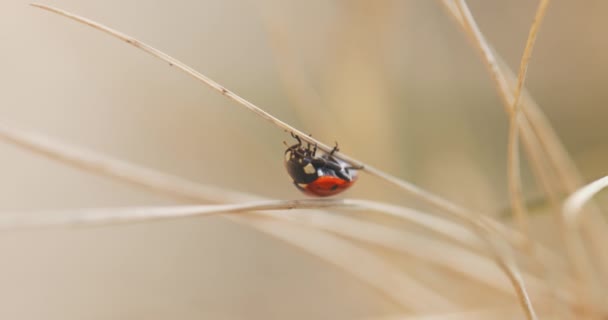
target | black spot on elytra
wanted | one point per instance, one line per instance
(334, 187)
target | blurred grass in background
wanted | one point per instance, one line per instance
(395, 82)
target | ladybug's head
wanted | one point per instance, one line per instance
(299, 162)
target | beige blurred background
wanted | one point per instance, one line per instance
(395, 82)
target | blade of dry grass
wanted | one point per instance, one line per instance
(506, 263)
(185, 190)
(574, 204)
(202, 78)
(471, 265)
(461, 12)
(450, 257)
(388, 281)
(428, 252)
(513, 166)
(588, 288)
(104, 216)
(542, 143)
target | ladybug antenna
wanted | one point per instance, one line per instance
(311, 148)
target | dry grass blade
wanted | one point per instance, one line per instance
(106, 166)
(502, 258)
(96, 216)
(574, 203)
(387, 280)
(422, 195)
(185, 190)
(513, 165)
(510, 268)
(458, 261)
(572, 212)
(99, 216)
(450, 257)
(541, 142)
(537, 135)
(460, 10)
(171, 185)
(200, 77)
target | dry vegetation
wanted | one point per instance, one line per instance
(427, 256)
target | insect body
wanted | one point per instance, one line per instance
(314, 175)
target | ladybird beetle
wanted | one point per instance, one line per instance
(321, 176)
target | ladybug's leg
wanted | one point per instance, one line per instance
(311, 149)
(334, 150)
(332, 158)
(314, 148)
(295, 136)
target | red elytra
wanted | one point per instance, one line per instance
(326, 186)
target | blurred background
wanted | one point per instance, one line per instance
(396, 83)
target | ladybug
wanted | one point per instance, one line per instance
(321, 176)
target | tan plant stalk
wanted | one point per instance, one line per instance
(513, 165)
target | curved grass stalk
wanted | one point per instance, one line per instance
(471, 266)
(185, 190)
(541, 142)
(504, 261)
(422, 195)
(286, 231)
(484, 271)
(513, 165)
(573, 213)
(104, 216)
(572, 209)
(448, 256)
